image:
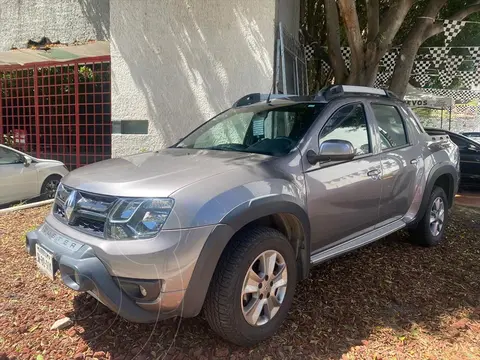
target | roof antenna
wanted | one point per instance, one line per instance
(269, 95)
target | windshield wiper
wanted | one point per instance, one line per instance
(232, 147)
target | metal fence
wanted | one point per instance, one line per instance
(291, 64)
(463, 118)
(59, 111)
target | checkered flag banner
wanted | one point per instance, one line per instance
(346, 56)
(389, 60)
(445, 77)
(309, 52)
(382, 79)
(325, 68)
(465, 109)
(469, 78)
(422, 79)
(451, 28)
(438, 54)
(453, 62)
(421, 66)
(475, 54)
(464, 95)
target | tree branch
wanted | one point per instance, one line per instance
(373, 19)
(406, 58)
(437, 28)
(390, 24)
(333, 40)
(349, 15)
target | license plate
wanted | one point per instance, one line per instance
(45, 261)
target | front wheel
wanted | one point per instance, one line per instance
(49, 187)
(253, 287)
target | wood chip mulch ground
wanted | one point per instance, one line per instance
(390, 300)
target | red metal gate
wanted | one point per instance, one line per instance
(58, 111)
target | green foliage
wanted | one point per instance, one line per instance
(86, 73)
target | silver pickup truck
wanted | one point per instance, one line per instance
(230, 218)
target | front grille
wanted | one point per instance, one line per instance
(58, 211)
(88, 211)
(91, 225)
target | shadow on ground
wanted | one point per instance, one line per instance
(390, 284)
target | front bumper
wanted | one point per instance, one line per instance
(84, 267)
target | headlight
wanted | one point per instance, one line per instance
(137, 218)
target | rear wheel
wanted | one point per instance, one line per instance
(253, 287)
(431, 228)
(49, 187)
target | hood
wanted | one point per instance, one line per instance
(157, 174)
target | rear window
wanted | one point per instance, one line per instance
(475, 137)
(413, 118)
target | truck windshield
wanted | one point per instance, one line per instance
(270, 130)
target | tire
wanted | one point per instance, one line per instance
(225, 303)
(49, 187)
(423, 234)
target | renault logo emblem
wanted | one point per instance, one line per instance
(70, 205)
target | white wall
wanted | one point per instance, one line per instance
(178, 62)
(63, 20)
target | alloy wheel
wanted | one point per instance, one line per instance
(264, 288)
(51, 188)
(437, 216)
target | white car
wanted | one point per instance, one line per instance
(23, 177)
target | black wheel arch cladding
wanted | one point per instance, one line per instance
(219, 238)
(433, 177)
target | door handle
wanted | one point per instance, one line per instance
(374, 174)
(414, 161)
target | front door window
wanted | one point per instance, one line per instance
(349, 123)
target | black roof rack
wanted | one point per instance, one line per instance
(325, 94)
(340, 90)
(257, 97)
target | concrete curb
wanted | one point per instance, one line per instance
(26, 206)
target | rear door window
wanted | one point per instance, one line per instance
(391, 126)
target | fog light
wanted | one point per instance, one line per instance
(143, 290)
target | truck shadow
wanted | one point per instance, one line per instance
(390, 284)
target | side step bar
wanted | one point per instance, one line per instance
(357, 242)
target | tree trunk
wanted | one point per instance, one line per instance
(373, 19)
(404, 65)
(415, 38)
(333, 41)
(349, 16)
(365, 59)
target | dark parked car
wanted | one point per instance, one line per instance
(469, 157)
(472, 135)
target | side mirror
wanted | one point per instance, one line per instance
(332, 150)
(27, 160)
